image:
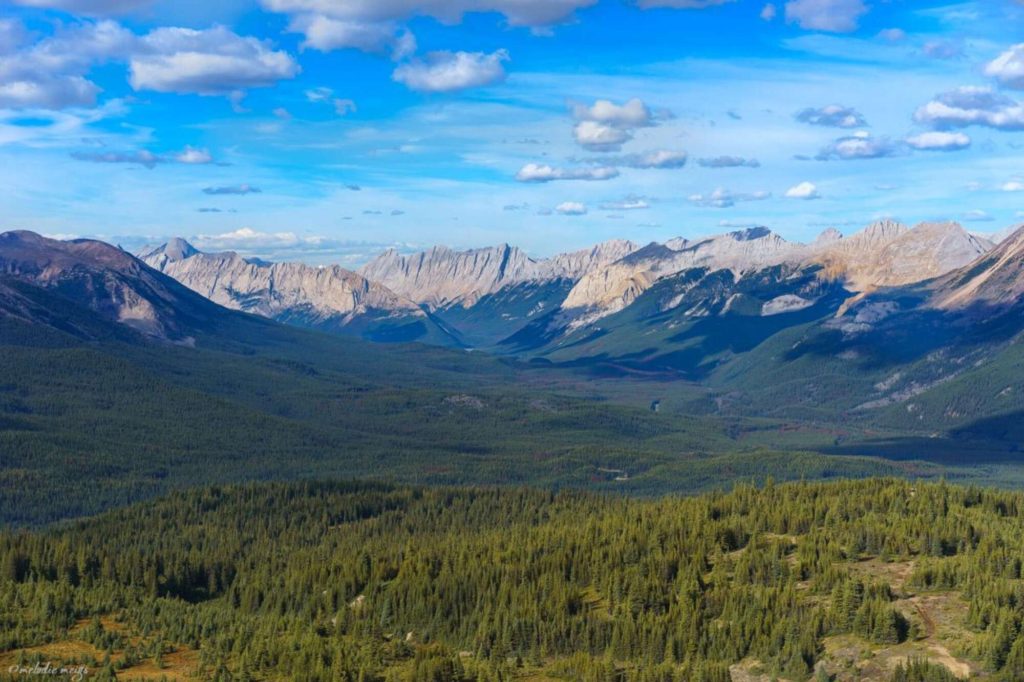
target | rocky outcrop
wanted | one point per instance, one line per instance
(607, 290)
(889, 254)
(442, 277)
(314, 296)
(996, 279)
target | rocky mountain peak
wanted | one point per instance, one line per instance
(829, 236)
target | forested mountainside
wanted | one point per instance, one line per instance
(872, 580)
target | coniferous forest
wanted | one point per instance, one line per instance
(875, 579)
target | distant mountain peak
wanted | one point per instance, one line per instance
(829, 236)
(178, 249)
(750, 234)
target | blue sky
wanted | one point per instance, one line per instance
(325, 130)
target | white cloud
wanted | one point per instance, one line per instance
(452, 71)
(600, 136)
(605, 126)
(630, 203)
(661, 158)
(835, 16)
(146, 158)
(1008, 68)
(530, 13)
(860, 145)
(50, 74)
(832, 115)
(769, 12)
(939, 141)
(45, 92)
(1013, 186)
(342, 106)
(325, 34)
(191, 155)
(248, 238)
(571, 208)
(728, 162)
(214, 61)
(632, 114)
(972, 105)
(977, 216)
(533, 172)
(724, 198)
(681, 4)
(805, 191)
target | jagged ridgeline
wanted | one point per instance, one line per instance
(872, 580)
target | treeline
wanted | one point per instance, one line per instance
(363, 582)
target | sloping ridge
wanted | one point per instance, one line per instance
(108, 281)
(995, 279)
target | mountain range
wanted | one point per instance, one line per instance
(895, 342)
(501, 299)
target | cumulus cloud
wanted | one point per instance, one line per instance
(769, 12)
(213, 61)
(632, 114)
(972, 105)
(833, 116)
(604, 125)
(724, 198)
(533, 172)
(861, 145)
(571, 208)
(600, 136)
(147, 159)
(47, 92)
(241, 190)
(1008, 68)
(939, 141)
(834, 16)
(728, 162)
(452, 71)
(325, 34)
(1013, 186)
(50, 73)
(805, 191)
(192, 155)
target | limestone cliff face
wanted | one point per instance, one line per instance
(276, 290)
(995, 279)
(889, 254)
(607, 290)
(441, 276)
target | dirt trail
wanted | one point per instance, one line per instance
(942, 654)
